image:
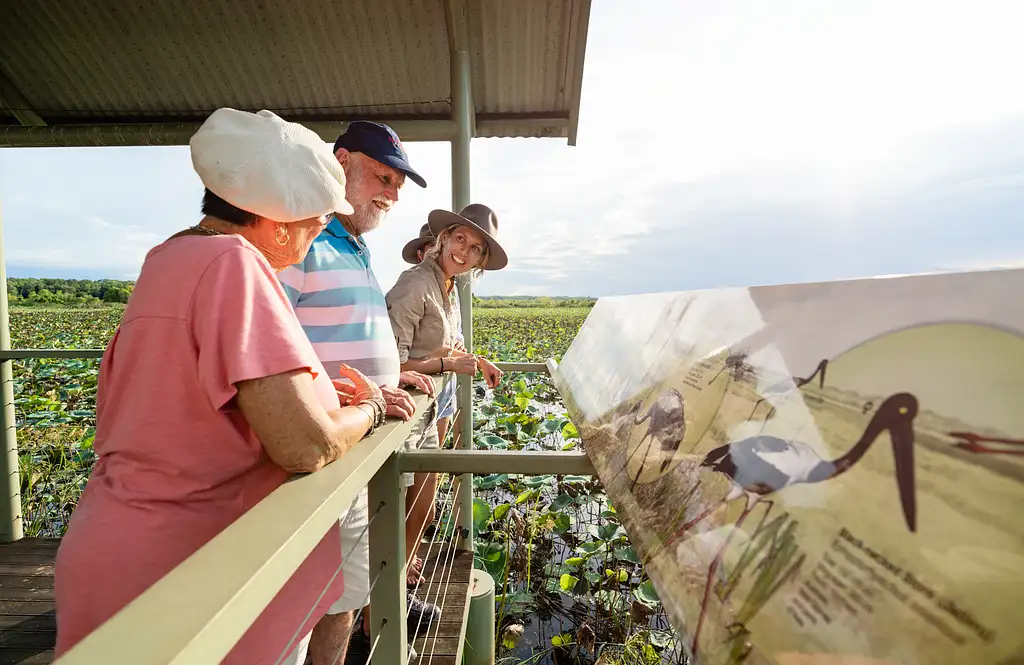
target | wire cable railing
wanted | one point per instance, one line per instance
(296, 636)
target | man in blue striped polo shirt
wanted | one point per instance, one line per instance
(341, 308)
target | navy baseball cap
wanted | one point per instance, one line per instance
(378, 142)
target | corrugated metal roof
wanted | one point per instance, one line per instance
(109, 62)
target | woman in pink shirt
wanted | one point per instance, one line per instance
(210, 395)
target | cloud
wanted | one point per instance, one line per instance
(98, 244)
(987, 263)
(793, 223)
(762, 143)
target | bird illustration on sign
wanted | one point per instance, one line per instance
(760, 466)
(666, 427)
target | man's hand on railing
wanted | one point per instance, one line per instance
(399, 402)
(416, 380)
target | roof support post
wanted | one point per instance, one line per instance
(10, 478)
(462, 112)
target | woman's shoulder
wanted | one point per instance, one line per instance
(201, 249)
(411, 281)
(196, 255)
(176, 270)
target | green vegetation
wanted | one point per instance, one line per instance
(570, 587)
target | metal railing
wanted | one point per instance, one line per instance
(204, 606)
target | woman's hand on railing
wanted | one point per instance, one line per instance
(462, 365)
(363, 389)
(491, 372)
(354, 387)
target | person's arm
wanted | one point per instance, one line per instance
(298, 434)
(464, 364)
(405, 303)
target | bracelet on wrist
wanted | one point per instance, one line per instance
(370, 413)
(379, 411)
(442, 364)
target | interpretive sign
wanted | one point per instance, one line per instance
(827, 473)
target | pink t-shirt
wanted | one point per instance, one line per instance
(177, 462)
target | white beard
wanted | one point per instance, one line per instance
(366, 218)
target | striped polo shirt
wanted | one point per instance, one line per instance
(341, 306)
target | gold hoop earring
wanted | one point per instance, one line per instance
(282, 240)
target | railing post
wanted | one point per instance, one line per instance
(387, 548)
(10, 482)
(463, 113)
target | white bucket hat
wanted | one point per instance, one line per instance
(264, 165)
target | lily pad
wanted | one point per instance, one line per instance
(537, 481)
(561, 502)
(481, 514)
(491, 481)
(515, 602)
(646, 595)
(528, 495)
(563, 640)
(500, 511)
(491, 441)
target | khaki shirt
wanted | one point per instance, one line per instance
(424, 316)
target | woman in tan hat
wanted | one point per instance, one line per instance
(413, 253)
(425, 317)
(210, 395)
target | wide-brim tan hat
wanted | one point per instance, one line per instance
(481, 218)
(416, 244)
(267, 166)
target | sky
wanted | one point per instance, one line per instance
(721, 143)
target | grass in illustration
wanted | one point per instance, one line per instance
(773, 572)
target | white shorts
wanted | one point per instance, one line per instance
(355, 555)
(298, 655)
(423, 435)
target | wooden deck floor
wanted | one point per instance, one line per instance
(28, 626)
(447, 586)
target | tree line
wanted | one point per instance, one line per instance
(67, 292)
(49, 291)
(527, 301)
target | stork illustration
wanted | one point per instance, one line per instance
(787, 386)
(972, 443)
(666, 425)
(759, 466)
